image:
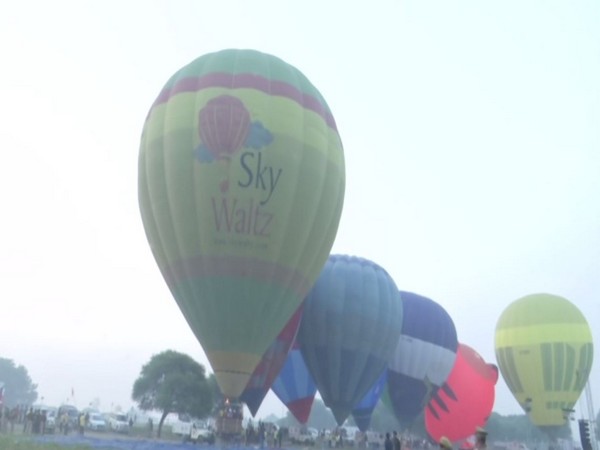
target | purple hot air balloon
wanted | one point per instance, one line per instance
(423, 358)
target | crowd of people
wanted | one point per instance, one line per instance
(30, 420)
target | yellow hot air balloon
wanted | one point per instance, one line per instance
(544, 350)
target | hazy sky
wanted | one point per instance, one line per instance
(472, 142)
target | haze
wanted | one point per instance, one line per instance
(472, 143)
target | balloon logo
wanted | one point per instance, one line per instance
(241, 183)
(223, 125)
(545, 351)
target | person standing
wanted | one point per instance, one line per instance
(445, 443)
(81, 420)
(150, 427)
(388, 444)
(396, 441)
(480, 439)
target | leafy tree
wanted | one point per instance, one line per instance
(18, 387)
(217, 396)
(383, 420)
(173, 382)
(320, 417)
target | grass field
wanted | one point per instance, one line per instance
(26, 443)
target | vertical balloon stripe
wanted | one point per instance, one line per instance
(506, 360)
(585, 365)
(569, 375)
(559, 365)
(546, 351)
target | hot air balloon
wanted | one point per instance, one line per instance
(241, 184)
(270, 365)
(465, 400)
(294, 385)
(364, 410)
(423, 358)
(544, 349)
(350, 327)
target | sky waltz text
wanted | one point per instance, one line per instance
(249, 216)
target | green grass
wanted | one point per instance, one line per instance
(17, 442)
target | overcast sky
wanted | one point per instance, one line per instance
(472, 141)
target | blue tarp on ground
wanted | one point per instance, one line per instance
(129, 444)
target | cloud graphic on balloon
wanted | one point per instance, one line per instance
(258, 136)
(203, 155)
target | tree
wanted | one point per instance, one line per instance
(173, 382)
(320, 417)
(18, 387)
(217, 396)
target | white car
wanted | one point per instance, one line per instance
(50, 420)
(118, 423)
(96, 422)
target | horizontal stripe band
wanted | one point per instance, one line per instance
(246, 80)
(236, 267)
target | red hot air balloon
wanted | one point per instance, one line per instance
(465, 400)
(223, 125)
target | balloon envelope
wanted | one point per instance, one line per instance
(544, 349)
(423, 358)
(241, 185)
(364, 410)
(294, 385)
(270, 365)
(350, 326)
(465, 400)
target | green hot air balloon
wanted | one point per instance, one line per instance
(544, 350)
(241, 186)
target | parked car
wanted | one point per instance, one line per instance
(193, 431)
(50, 420)
(302, 436)
(96, 422)
(72, 416)
(118, 423)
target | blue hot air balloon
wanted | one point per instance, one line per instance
(364, 410)
(423, 358)
(294, 385)
(350, 328)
